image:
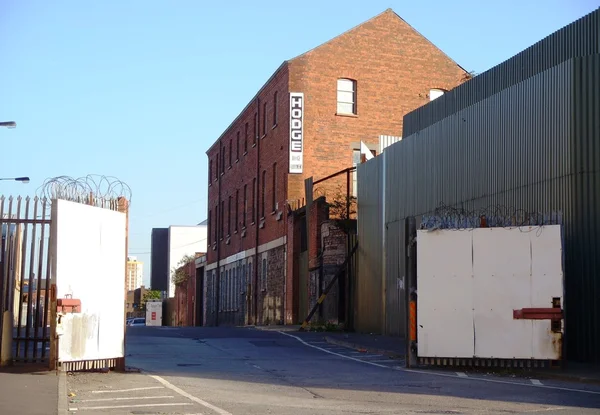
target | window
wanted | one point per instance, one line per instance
(255, 128)
(275, 96)
(216, 227)
(223, 161)
(229, 218)
(222, 218)
(237, 210)
(245, 210)
(217, 168)
(234, 289)
(222, 291)
(254, 200)
(246, 138)
(230, 151)
(274, 195)
(243, 279)
(209, 227)
(263, 279)
(262, 195)
(346, 96)
(249, 273)
(210, 171)
(264, 119)
(237, 147)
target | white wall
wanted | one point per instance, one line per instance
(184, 240)
(88, 263)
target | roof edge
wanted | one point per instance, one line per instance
(427, 39)
(343, 33)
(283, 64)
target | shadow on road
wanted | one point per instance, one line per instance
(270, 358)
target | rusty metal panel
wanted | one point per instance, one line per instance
(580, 38)
(369, 279)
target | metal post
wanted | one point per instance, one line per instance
(411, 291)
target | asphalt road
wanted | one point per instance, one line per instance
(248, 371)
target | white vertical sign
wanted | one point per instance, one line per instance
(296, 131)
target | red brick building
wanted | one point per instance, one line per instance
(307, 120)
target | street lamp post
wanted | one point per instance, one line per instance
(16, 179)
(8, 124)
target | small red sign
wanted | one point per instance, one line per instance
(154, 315)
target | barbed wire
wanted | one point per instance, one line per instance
(493, 216)
(97, 190)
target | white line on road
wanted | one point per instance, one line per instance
(136, 398)
(424, 372)
(462, 374)
(146, 405)
(129, 390)
(536, 382)
(174, 388)
(330, 352)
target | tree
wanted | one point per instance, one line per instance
(149, 295)
(179, 276)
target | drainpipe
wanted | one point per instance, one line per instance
(256, 224)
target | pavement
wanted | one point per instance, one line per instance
(28, 391)
(226, 371)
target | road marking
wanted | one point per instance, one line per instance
(136, 398)
(129, 390)
(174, 388)
(536, 382)
(330, 352)
(424, 372)
(462, 374)
(146, 405)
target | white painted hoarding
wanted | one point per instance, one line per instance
(470, 282)
(88, 263)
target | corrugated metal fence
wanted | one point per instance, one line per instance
(533, 146)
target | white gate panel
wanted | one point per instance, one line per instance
(502, 283)
(470, 283)
(445, 292)
(89, 264)
(546, 284)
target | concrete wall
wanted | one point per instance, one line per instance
(184, 240)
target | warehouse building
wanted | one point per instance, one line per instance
(308, 120)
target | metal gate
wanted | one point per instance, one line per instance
(24, 280)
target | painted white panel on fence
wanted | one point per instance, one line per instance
(511, 268)
(546, 283)
(90, 266)
(502, 283)
(445, 306)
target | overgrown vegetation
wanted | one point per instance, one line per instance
(149, 295)
(342, 210)
(322, 326)
(179, 275)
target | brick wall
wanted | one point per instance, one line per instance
(268, 149)
(334, 243)
(394, 68)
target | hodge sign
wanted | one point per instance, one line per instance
(296, 131)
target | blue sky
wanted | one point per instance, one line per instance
(140, 89)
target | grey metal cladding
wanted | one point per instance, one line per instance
(580, 38)
(532, 146)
